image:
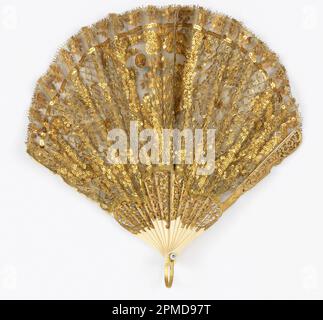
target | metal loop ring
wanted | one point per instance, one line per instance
(169, 271)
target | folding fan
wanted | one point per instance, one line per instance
(199, 83)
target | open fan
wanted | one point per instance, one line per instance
(165, 117)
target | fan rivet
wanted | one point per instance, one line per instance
(172, 256)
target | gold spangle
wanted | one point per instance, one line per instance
(264, 73)
(103, 85)
(252, 57)
(151, 25)
(140, 60)
(228, 40)
(104, 206)
(197, 27)
(91, 50)
(41, 143)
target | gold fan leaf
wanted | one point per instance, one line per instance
(164, 68)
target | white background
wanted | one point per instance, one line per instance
(55, 243)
